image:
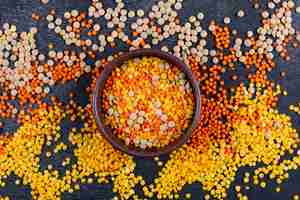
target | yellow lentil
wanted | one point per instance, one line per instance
(296, 197)
(253, 121)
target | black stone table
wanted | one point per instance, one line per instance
(19, 12)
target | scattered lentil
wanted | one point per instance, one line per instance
(216, 150)
(241, 13)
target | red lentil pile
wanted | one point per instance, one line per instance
(148, 102)
(240, 126)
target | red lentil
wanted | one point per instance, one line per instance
(238, 125)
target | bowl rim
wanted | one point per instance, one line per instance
(97, 110)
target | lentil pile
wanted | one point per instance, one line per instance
(240, 126)
(148, 102)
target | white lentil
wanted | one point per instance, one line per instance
(241, 13)
(50, 18)
(51, 26)
(178, 6)
(227, 20)
(203, 34)
(271, 5)
(140, 13)
(265, 14)
(58, 21)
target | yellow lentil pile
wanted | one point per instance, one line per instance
(96, 157)
(148, 102)
(262, 141)
(21, 153)
(239, 127)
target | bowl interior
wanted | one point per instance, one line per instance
(99, 115)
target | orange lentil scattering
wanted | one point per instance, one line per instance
(240, 125)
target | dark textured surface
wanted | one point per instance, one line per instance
(18, 12)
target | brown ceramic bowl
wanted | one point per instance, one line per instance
(99, 115)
